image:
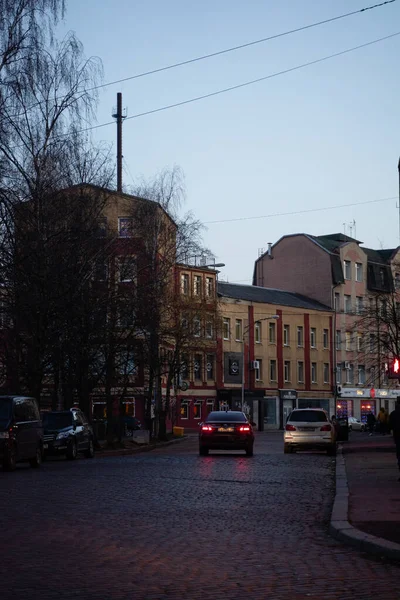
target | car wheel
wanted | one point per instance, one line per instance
(203, 451)
(37, 460)
(287, 449)
(10, 460)
(90, 451)
(332, 450)
(72, 451)
(249, 451)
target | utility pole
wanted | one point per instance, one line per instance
(119, 116)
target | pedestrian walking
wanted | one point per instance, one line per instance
(382, 420)
(371, 422)
(394, 426)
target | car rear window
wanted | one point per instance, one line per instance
(308, 416)
(57, 420)
(226, 417)
(5, 408)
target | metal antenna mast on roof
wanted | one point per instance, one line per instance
(119, 115)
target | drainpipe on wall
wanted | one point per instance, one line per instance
(334, 353)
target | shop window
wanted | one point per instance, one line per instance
(184, 409)
(209, 406)
(367, 406)
(197, 410)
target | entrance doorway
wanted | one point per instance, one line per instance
(287, 409)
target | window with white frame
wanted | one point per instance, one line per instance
(257, 332)
(226, 328)
(348, 341)
(300, 337)
(313, 337)
(347, 304)
(198, 367)
(347, 269)
(210, 367)
(238, 330)
(338, 374)
(272, 333)
(127, 268)
(359, 271)
(286, 335)
(184, 409)
(197, 285)
(209, 329)
(325, 338)
(361, 374)
(313, 372)
(286, 371)
(350, 373)
(184, 371)
(197, 410)
(300, 371)
(272, 370)
(209, 287)
(337, 302)
(125, 226)
(326, 373)
(360, 342)
(258, 370)
(338, 339)
(359, 305)
(184, 284)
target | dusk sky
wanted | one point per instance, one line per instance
(318, 137)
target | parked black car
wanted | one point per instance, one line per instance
(67, 432)
(21, 432)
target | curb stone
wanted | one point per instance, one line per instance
(139, 449)
(343, 531)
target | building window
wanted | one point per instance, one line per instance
(238, 330)
(127, 317)
(300, 337)
(198, 367)
(384, 309)
(359, 272)
(127, 268)
(286, 371)
(209, 406)
(100, 270)
(272, 333)
(313, 337)
(197, 285)
(372, 343)
(272, 370)
(184, 368)
(300, 371)
(226, 328)
(326, 338)
(197, 326)
(338, 374)
(257, 332)
(348, 341)
(209, 287)
(258, 371)
(359, 305)
(125, 363)
(313, 372)
(326, 373)
(347, 304)
(125, 226)
(361, 374)
(185, 284)
(210, 367)
(197, 410)
(338, 339)
(337, 302)
(184, 409)
(209, 330)
(382, 277)
(360, 342)
(101, 230)
(397, 281)
(350, 373)
(347, 269)
(286, 335)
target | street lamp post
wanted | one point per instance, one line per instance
(271, 318)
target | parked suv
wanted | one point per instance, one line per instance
(21, 432)
(309, 429)
(67, 432)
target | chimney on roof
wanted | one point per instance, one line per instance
(269, 251)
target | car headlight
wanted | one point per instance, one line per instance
(4, 435)
(63, 435)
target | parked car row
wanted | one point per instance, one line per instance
(28, 436)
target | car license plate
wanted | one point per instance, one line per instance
(45, 446)
(306, 428)
(226, 429)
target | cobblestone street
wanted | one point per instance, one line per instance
(169, 524)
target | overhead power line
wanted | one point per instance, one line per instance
(246, 83)
(300, 212)
(242, 46)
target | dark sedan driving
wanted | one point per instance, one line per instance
(226, 430)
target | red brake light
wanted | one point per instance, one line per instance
(206, 428)
(290, 428)
(244, 428)
(326, 428)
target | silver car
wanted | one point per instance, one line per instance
(309, 429)
(356, 425)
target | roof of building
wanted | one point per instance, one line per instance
(252, 293)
